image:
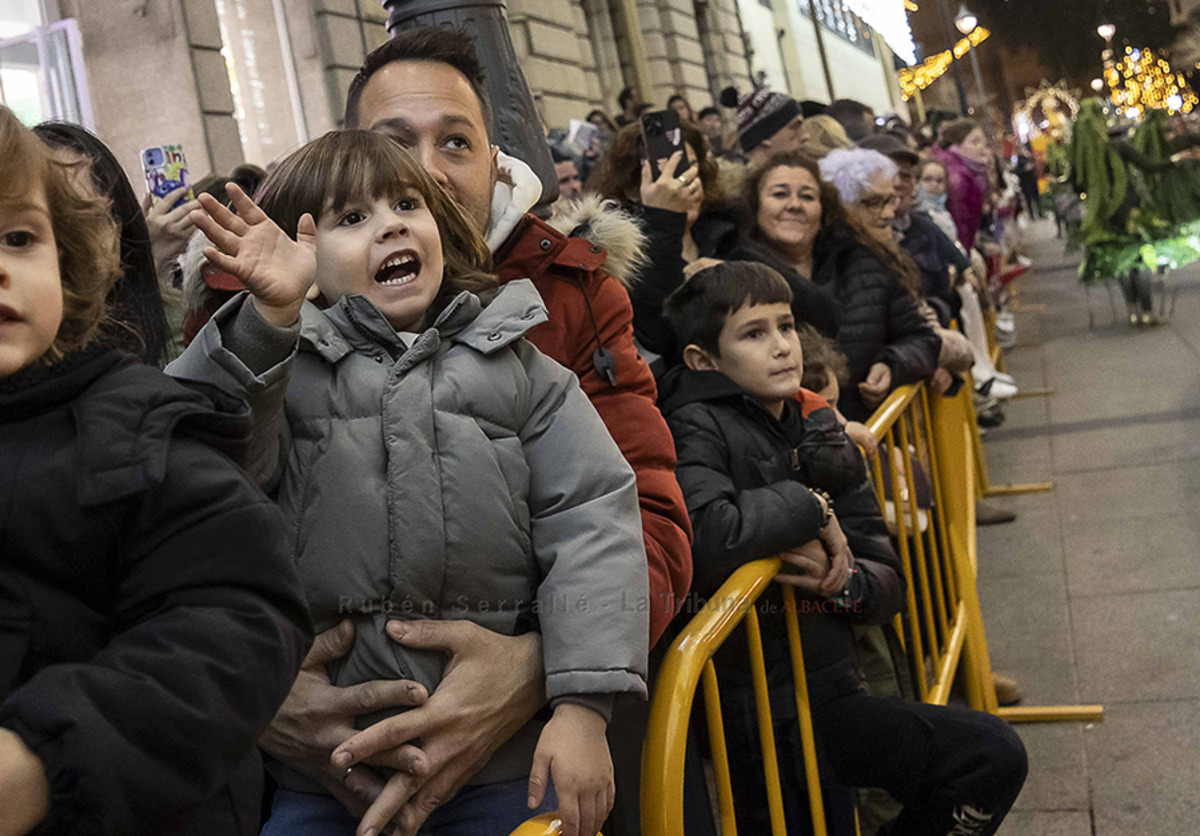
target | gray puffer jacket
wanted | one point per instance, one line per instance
(465, 476)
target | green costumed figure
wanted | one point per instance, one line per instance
(1141, 202)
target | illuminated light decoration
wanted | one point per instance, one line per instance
(921, 76)
(1056, 101)
(1143, 81)
(890, 19)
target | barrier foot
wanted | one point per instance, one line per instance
(1019, 490)
(1032, 393)
(1052, 714)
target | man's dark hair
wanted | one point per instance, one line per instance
(624, 96)
(850, 114)
(708, 111)
(425, 43)
(698, 309)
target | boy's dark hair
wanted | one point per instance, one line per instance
(822, 360)
(558, 155)
(708, 111)
(698, 309)
(426, 43)
(624, 96)
(850, 114)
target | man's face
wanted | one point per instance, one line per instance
(906, 192)
(569, 184)
(711, 124)
(430, 108)
(787, 138)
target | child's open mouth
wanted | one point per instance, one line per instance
(398, 269)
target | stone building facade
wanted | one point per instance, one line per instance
(250, 80)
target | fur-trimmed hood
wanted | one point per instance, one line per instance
(605, 224)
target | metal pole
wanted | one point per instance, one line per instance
(983, 100)
(812, 14)
(948, 26)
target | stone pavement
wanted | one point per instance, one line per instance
(1093, 594)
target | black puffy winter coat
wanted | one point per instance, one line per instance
(746, 478)
(880, 320)
(151, 622)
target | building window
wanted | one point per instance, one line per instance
(41, 66)
(838, 19)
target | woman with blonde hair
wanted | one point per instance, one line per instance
(821, 134)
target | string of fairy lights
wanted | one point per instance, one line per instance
(1144, 80)
(931, 69)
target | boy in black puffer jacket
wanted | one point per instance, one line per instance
(763, 465)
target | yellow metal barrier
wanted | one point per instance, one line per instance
(687, 663)
(942, 625)
(547, 824)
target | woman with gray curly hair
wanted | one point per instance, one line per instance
(866, 182)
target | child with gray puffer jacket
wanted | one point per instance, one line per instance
(430, 461)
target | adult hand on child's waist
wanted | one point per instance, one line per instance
(318, 716)
(492, 686)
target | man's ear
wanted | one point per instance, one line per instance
(699, 360)
(495, 150)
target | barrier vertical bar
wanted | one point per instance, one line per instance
(915, 650)
(720, 758)
(808, 741)
(920, 568)
(766, 727)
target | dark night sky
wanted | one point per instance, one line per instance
(1061, 32)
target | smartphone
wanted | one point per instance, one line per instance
(166, 170)
(663, 136)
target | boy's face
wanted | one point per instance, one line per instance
(388, 251)
(31, 299)
(759, 351)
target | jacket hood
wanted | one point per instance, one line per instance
(603, 223)
(682, 386)
(354, 323)
(126, 415)
(516, 191)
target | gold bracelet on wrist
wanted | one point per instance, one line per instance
(828, 506)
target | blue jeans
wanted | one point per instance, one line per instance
(481, 810)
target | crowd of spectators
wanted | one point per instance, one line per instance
(450, 395)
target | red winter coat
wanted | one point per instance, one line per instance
(589, 305)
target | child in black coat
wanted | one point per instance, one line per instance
(767, 470)
(151, 622)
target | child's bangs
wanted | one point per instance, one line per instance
(374, 167)
(26, 160)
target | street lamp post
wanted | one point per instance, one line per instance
(948, 26)
(966, 23)
(1106, 30)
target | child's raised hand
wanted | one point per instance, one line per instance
(250, 246)
(573, 751)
